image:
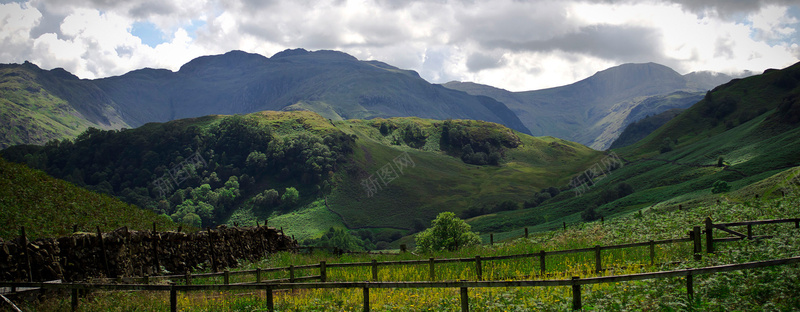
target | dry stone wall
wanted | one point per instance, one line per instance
(124, 253)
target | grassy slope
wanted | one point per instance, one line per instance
(48, 207)
(439, 182)
(763, 289)
(31, 114)
(753, 149)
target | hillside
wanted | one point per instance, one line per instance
(38, 105)
(48, 207)
(641, 128)
(307, 174)
(739, 134)
(594, 111)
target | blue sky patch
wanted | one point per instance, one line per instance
(149, 33)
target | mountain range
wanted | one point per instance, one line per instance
(337, 86)
(595, 110)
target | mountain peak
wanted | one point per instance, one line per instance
(233, 58)
(319, 54)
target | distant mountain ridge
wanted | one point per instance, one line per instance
(40, 105)
(333, 84)
(595, 110)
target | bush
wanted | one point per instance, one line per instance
(720, 187)
(590, 214)
(447, 232)
(290, 197)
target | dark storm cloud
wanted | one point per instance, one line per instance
(723, 8)
(49, 23)
(479, 61)
(604, 41)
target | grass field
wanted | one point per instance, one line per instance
(759, 289)
(48, 207)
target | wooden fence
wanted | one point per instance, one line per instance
(575, 283)
(695, 236)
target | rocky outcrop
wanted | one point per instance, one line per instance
(124, 253)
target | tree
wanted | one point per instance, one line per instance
(291, 196)
(720, 187)
(447, 232)
(267, 199)
(590, 214)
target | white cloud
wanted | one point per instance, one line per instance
(518, 45)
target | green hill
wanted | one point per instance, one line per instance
(48, 207)
(239, 169)
(38, 105)
(641, 128)
(739, 134)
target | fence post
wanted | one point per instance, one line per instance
(147, 279)
(698, 246)
(227, 276)
(103, 251)
(464, 300)
(26, 254)
(366, 299)
(432, 272)
(652, 252)
(491, 239)
(749, 231)
(173, 298)
(576, 294)
(598, 266)
(690, 287)
(74, 299)
(374, 270)
(565, 225)
(156, 263)
(526, 232)
(211, 250)
(478, 267)
(709, 235)
(323, 272)
(188, 277)
(258, 275)
(270, 302)
(291, 273)
(541, 261)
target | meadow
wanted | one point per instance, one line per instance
(770, 288)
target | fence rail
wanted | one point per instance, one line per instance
(575, 283)
(695, 236)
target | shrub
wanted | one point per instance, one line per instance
(290, 197)
(720, 187)
(447, 232)
(590, 214)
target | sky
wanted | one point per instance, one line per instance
(512, 44)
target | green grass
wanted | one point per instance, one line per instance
(33, 115)
(771, 288)
(753, 148)
(438, 182)
(48, 207)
